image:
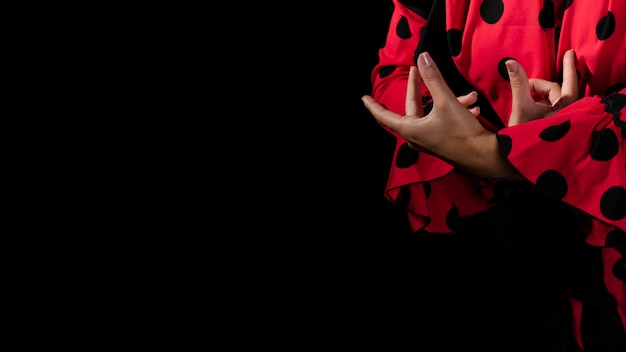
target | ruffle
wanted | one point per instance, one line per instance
(578, 156)
(435, 195)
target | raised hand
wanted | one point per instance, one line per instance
(450, 130)
(536, 98)
(448, 115)
(413, 108)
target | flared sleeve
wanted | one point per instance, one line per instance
(434, 194)
(578, 156)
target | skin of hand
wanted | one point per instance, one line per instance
(451, 131)
(525, 108)
(413, 101)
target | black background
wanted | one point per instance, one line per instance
(355, 271)
(286, 221)
(258, 202)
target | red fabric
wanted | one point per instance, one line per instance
(520, 36)
(577, 156)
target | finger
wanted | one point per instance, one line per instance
(523, 106)
(381, 114)
(545, 88)
(468, 99)
(520, 87)
(432, 78)
(569, 88)
(413, 104)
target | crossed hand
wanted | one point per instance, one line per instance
(451, 130)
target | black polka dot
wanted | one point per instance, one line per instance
(604, 146)
(454, 41)
(491, 10)
(386, 71)
(404, 198)
(506, 143)
(552, 183)
(427, 189)
(606, 26)
(452, 219)
(546, 15)
(615, 88)
(407, 157)
(568, 3)
(402, 29)
(614, 103)
(554, 133)
(613, 203)
(504, 73)
(615, 237)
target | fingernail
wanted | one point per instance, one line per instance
(424, 59)
(511, 66)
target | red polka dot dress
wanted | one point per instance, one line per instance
(576, 157)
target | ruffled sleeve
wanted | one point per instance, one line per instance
(578, 156)
(434, 195)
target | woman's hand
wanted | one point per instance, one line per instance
(553, 97)
(450, 131)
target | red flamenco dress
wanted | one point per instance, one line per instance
(574, 162)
